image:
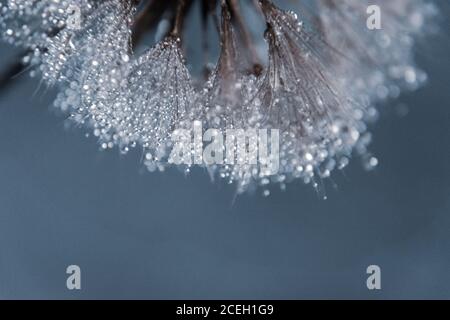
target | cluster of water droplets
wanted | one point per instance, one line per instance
(32, 23)
(159, 99)
(377, 64)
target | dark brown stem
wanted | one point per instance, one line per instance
(180, 15)
(245, 36)
(208, 9)
(227, 61)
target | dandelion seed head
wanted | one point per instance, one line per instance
(318, 86)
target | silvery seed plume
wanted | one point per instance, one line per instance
(41, 28)
(230, 87)
(159, 97)
(72, 45)
(101, 81)
(88, 87)
(376, 64)
(30, 22)
(227, 96)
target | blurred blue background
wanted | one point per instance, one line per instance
(167, 236)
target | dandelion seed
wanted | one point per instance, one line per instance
(375, 59)
(159, 97)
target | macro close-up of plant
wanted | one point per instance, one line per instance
(229, 156)
(313, 73)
